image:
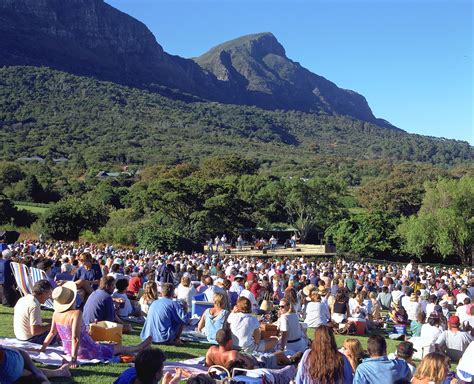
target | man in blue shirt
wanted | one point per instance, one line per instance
(87, 275)
(166, 318)
(379, 368)
(100, 306)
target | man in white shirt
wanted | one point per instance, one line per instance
(27, 322)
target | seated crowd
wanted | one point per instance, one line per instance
(262, 314)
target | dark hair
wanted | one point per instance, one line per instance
(121, 284)
(223, 336)
(41, 287)
(106, 282)
(202, 378)
(376, 345)
(148, 363)
(235, 364)
(167, 289)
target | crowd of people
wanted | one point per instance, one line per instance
(265, 313)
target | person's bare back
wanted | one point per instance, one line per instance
(219, 356)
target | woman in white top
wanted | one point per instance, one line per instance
(316, 312)
(186, 291)
(431, 329)
(292, 335)
(246, 329)
(149, 296)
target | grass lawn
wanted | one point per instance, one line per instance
(107, 373)
(39, 210)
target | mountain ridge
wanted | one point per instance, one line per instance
(92, 38)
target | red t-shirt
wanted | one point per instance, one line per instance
(134, 285)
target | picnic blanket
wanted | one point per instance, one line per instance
(194, 366)
(52, 356)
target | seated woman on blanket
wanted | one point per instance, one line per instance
(292, 336)
(67, 321)
(246, 329)
(214, 318)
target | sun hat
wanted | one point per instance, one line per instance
(64, 296)
(307, 290)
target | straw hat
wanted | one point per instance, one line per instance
(64, 296)
(307, 290)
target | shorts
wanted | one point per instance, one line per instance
(12, 367)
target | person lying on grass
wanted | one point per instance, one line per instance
(224, 355)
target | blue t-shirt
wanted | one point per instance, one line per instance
(90, 275)
(164, 319)
(127, 377)
(381, 370)
(99, 306)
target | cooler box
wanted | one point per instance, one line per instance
(106, 331)
(359, 324)
(198, 307)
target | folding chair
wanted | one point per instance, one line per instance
(22, 277)
(36, 275)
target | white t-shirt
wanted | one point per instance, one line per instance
(128, 308)
(27, 312)
(429, 332)
(242, 326)
(289, 322)
(412, 308)
(186, 294)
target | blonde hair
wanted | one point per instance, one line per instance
(185, 281)
(353, 351)
(220, 300)
(433, 367)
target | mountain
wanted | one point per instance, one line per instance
(258, 64)
(91, 38)
(55, 114)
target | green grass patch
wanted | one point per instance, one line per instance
(107, 373)
(36, 208)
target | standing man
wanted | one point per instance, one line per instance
(27, 322)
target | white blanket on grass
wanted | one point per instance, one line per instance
(54, 356)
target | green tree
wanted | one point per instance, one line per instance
(66, 219)
(372, 234)
(308, 205)
(10, 173)
(445, 222)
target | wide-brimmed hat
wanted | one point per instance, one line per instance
(307, 290)
(64, 296)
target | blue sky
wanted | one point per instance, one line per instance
(411, 59)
